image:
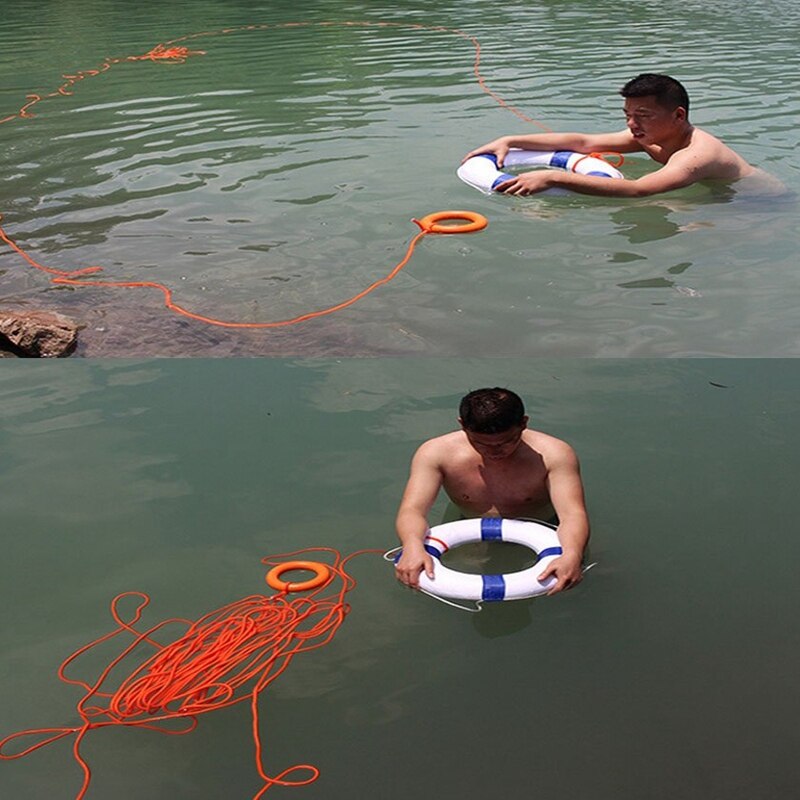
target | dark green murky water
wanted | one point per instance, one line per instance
(670, 672)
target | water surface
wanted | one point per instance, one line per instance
(278, 172)
(670, 672)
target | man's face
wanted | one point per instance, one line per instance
(496, 446)
(648, 121)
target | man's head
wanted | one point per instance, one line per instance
(667, 92)
(493, 420)
(656, 108)
(491, 411)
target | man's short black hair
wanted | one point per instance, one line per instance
(491, 410)
(668, 92)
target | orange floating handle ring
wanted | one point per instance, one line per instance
(430, 224)
(321, 574)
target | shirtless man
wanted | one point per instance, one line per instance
(495, 467)
(657, 113)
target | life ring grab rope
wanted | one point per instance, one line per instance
(389, 555)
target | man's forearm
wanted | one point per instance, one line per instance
(573, 533)
(595, 185)
(411, 526)
(548, 141)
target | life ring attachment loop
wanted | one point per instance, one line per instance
(431, 222)
(322, 573)
(601, 155)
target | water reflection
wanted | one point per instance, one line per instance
(497, 620)
(648, 224)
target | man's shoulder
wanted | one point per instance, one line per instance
(709, 157)
(705, 143)
(443, 444)
(551, 447)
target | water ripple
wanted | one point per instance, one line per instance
(296, 157)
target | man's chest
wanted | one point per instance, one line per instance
(521, 484)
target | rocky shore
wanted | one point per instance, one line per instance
(36, 334)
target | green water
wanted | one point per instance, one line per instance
(278, 173)
(670, 672)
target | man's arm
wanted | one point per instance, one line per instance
(424, 482)
(566, 494)
(683, 169)
(620, 142)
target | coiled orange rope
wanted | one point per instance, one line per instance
(228, 656)
(175, 52)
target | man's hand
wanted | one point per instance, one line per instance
(498, 148)
(413, 561)
(528, 182)
(567, 570)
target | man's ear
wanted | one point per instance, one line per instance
(461, 423)
(680, 114)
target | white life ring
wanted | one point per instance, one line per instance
(538, 536)
(481, 171)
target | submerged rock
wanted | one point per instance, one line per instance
(37, 334)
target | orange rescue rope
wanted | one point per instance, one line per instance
(228, 656)
(174, 55)
(72, 278)
(173, 52)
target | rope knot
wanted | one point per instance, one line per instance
(177, 54)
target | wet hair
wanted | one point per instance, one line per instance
(668, 92)
(491, 410)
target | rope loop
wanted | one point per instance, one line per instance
(431, 223)
(321, 574)
(620, 159)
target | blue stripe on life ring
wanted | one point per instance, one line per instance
(491, 529)
(549, 551)
(598, 174)
(494, 587)
(503, 177)
(560, 159)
